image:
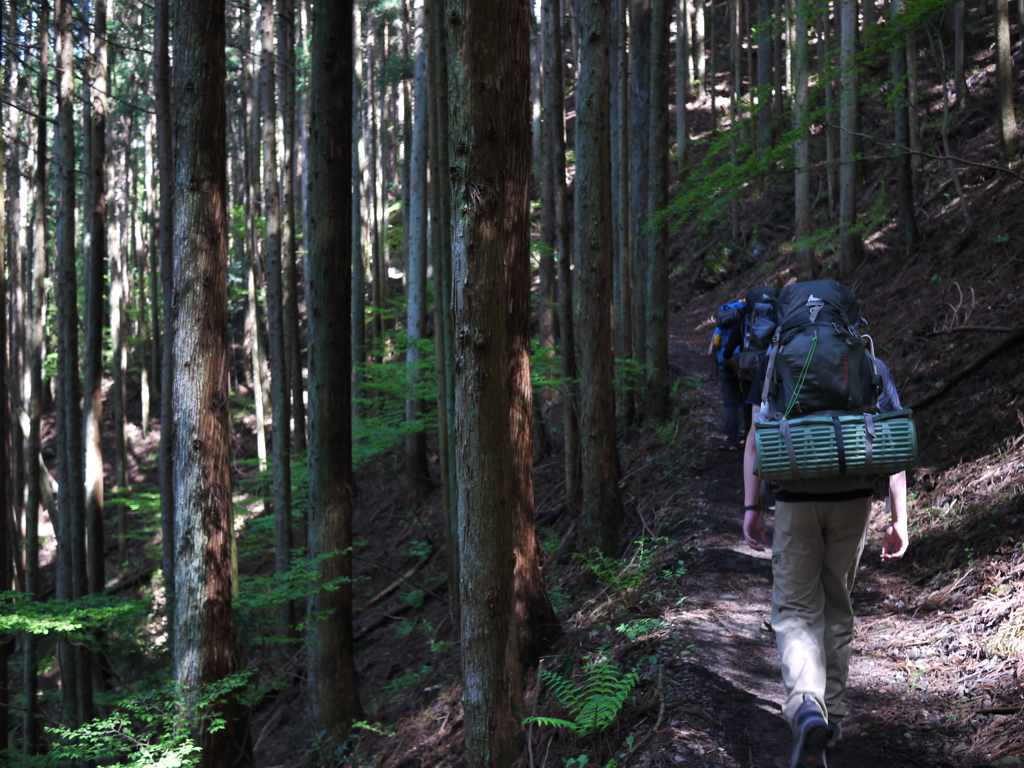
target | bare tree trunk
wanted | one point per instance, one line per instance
(684, 78)
(332, 692)
(602, 505)
(639, 163)
(490, 182)
(699, 48)
(657, 400)
(117, 332)
(802, 145)
(417, 470)
(622, 251)
(165, 241)
(904, 187)
(443, 301)
(71, 566)
(204, 636)
(7, 417)
(96, 263)
(1009, 138)
(848, 240)
(32, 727)
(293, 348)
(535, 618)
(959, 34)
(764, 76)
(826, 62)
(279, 389)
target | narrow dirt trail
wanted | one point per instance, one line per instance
(722, 685)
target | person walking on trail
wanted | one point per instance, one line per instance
(725, 347)
(817, 545)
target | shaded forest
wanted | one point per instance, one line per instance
(357, 400)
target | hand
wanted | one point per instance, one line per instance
(753, 530)
(895, 542)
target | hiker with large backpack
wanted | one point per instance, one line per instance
(829, 433)
(726, 342)
(760, 316)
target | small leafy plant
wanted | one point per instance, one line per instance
(593, 703)
(624, 579)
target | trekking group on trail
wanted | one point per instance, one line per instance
(826, 433)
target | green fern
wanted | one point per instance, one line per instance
(595, 702)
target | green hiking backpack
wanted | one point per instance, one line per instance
(819, 429)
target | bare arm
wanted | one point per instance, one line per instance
(896, 537)
(753, 521)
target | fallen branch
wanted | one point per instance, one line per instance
(1001, 710)
(1015, 337)
(979, 328)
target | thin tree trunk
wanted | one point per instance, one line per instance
(764, 76)
(535, 618)
(331, 686)
(417, 470)
(657, 400)
(31, 726)
(684, 79)
(71, 571)
(204, 636)
(444, 298)
(801, 146)
(1009, 138)
(117, 332)
(602, 504)
(96, 264)
(959, 35)
(825, 69)
(7, 492)
(490, 178)
(293, 348)
(699, 52)
(849, 241)
(904, 187)
(639, 164)
(362, 212)
(622, 253)
(279, 389)
(165, 241)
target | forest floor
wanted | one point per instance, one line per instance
(928, 686)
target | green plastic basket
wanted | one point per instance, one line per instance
(806, 448)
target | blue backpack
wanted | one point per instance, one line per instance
(727, 317)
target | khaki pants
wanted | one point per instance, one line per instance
(815, 552)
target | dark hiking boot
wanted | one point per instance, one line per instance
(810, 736)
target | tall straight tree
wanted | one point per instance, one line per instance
(204, 531)
(802, 145)
(535, 618)
(684, 77)
(639, 161)
(847, 146)
(34, 476)
(165, 242)
(571, 398)
(286, 78)
(656, 355)
(95, 271)
(417, 470)
(71, 574)
(602, 504)
(623, 255)
(279, 389)
(1009, 139)
(907, 224)
(6, 550)
(489, 78)
(443, 297)
(333, 698)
